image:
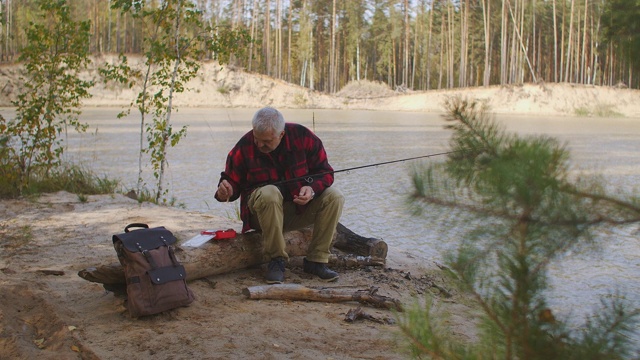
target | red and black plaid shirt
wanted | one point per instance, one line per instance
(300, 154)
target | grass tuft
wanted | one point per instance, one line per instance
(67, 177)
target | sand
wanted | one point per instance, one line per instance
(48, 312)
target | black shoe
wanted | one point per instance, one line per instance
(319, 269)
(275, 271)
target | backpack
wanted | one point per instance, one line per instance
(155, 280)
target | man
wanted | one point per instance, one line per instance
(281, 173)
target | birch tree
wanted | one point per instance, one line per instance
(175, 39)
(49, 104)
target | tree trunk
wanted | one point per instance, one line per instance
(583, 60)
(594, 53)
(252, 31)
(407, 34)
(451, 31)
(245, 250)
(522, 47)
(486, 17)
(266, 39)
(555, 44)
(278, 46)
(464, 44)
(428, 64)
(503, 45)
(289, 42)
(441, 65)
(332, 52)
(567, 74)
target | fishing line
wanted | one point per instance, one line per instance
(309, 178)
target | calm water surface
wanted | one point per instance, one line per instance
(375, 196)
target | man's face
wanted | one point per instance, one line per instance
(267, 141)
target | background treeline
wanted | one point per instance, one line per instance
(407, 44)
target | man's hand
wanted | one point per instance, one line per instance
(225, 191)
(305, 195)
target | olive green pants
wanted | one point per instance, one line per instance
(273, 216)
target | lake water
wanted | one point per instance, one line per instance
(375, 196)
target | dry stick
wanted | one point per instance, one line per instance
(300, 292)
(358, 313)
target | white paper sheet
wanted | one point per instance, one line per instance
(198, 240)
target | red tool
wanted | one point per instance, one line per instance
(220, 234)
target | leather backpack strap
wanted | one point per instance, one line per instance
(172, 254)
(135, 225)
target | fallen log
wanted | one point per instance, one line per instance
(245, 250)
(299, 292)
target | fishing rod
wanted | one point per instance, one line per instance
(309, 178)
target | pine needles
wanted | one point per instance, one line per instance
(527, 211)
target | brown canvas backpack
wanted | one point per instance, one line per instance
(156, 281)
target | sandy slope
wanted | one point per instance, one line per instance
(227, 87)
(216, 87)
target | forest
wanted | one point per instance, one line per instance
(406, 44)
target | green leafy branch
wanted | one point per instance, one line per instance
(57, 51)
(176, 40)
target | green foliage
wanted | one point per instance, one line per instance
(598, 110)
(582, 111)
(48, 106)
(523, 211)
(64, 177)
(15, 239)
(145, 195)
(9, 171)
(428, 334)
(74, 179)
(621, 27)
(300, 99)
(176, 39)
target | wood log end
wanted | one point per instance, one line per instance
(105, 274)
(379, 249)
(246, 292)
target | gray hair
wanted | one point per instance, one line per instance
(268, 119)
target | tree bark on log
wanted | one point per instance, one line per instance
(245, 250)
(299, 292)
(352, 243)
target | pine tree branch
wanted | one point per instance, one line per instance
(504, 214)
(407, 332)
(601, 197)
